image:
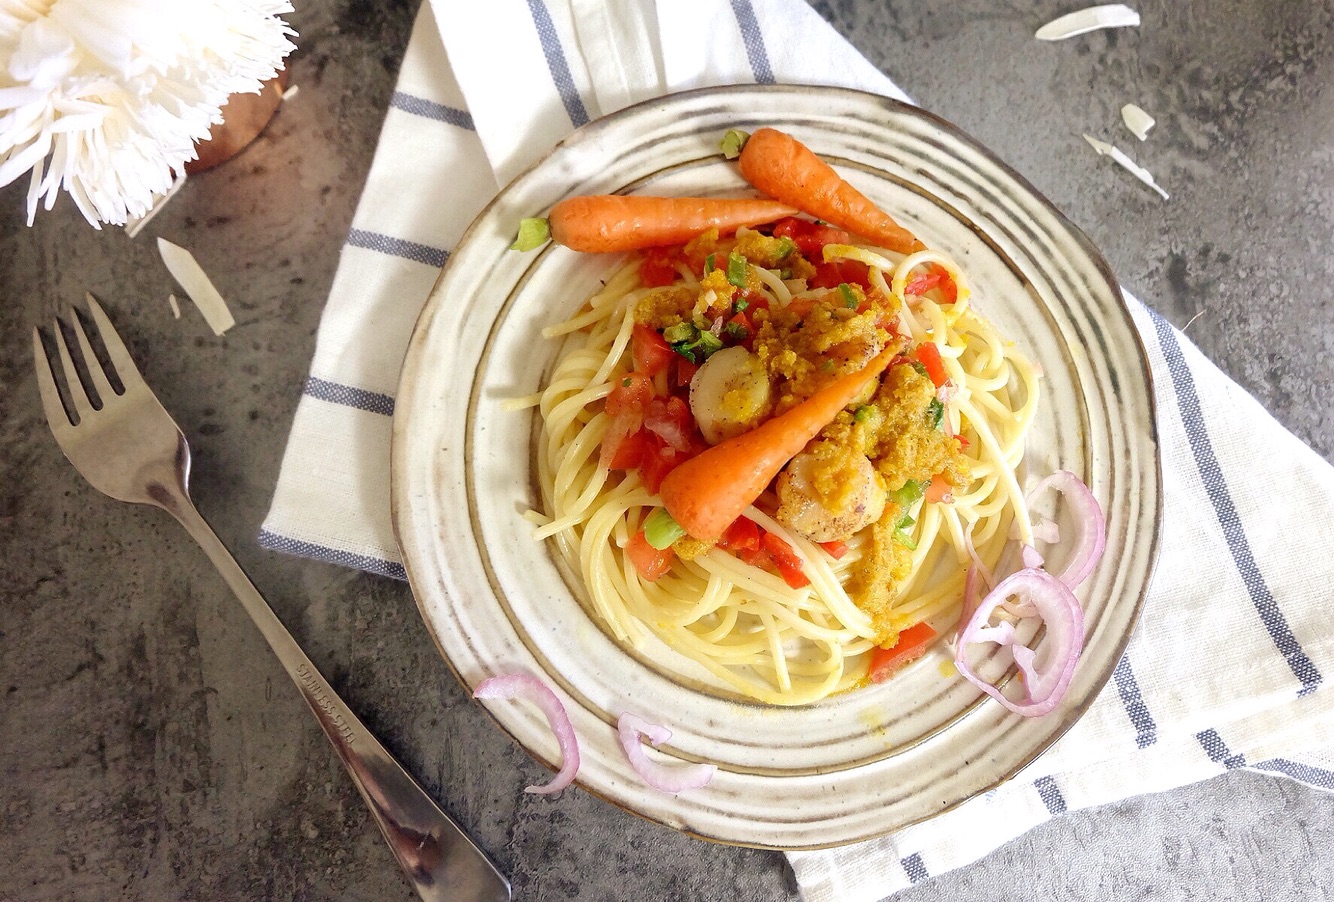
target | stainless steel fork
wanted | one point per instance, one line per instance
(128, 446)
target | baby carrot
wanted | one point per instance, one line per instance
(708, 492)
(782, 167)
(610, 222)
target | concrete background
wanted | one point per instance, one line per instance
(150, 747)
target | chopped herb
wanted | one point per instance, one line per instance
(660, 530)
(683, 348)
(785, 273)
(733, 141)
(706, 344)
(625, 383)
(849, 299)
(736, 269)
(920, 367)
(708, 264)
(737, 331)
(741, 305)
(679, 333)
(909, 493)
(861, 414)
(533, 233)
(785, 248)
(935, 413)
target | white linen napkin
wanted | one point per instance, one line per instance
(1231, 664)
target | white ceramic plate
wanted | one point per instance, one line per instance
(856, 765)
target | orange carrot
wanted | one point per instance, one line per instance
(782, 167)
(708, 492)
(603, 223)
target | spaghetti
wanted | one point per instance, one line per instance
(734, 613)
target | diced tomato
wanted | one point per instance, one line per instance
(756, 557)
(630, 452)
(738, 328)
(929, 356)
(649, 562)
(935, 277)
(786, 560)
(742, 535)
(661, 458)
(810, 237)
(657, 462)
(913, 643)
(650, 351)
(754, 301)
(659, 266)
(685, 371)
(836, 272)
(670, 419)
(937, 490)
(632, 392)
(836, 549)
(625, 406)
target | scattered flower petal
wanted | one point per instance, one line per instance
(1139, 172)
(1138, 121)
(1111, 15)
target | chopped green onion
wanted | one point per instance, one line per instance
(706, 344)
(736, 270)
(910, 492)
(533, 233)
(904, 522)
(661, 530)
(733, 142)
(935, 413)
(741, 305)
(921, 368)
(785, 248)
(849, 299)
(861, 414)
(678, 333)
(905, 540)
(708, 264)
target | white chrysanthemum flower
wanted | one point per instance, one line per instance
(105, 98)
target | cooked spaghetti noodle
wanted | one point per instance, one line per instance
(745, 623)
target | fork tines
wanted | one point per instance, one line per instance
(88, 381)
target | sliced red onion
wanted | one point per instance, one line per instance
(1048, 531)
(1050, 601)
(530, 688)
(665, 779)
(1091, 528)
(1031, 557)
(978, 575)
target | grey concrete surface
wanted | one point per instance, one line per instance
(151, 749)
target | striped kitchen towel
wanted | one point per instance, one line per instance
(1230, 667)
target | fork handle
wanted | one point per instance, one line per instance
(438, 858)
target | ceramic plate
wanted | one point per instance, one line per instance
(856, 765)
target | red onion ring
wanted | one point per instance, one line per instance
(630, 728)
(1032, 559)
(1049, 600)
(530, 688)
(978, 573)
(1091, 526)
(1047, 531)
